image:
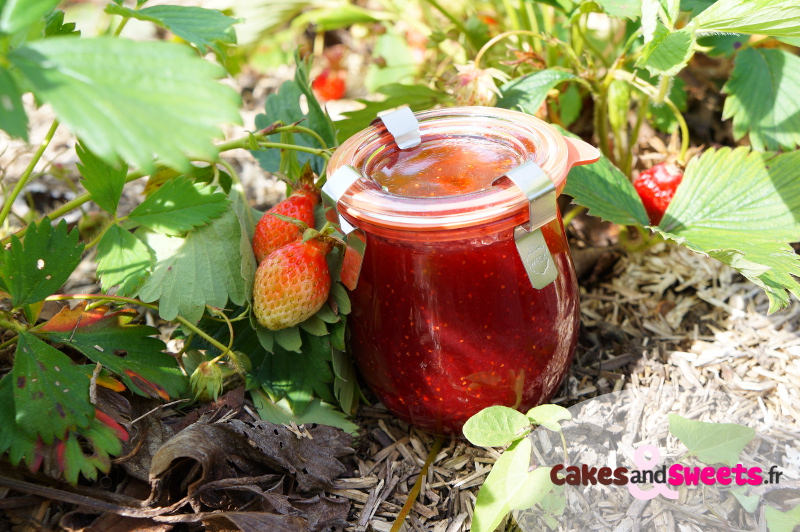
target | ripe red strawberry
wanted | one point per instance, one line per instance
(292, 283)
(272, 233)
(329, 85)
(656, 186)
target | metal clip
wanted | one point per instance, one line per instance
(403, 126)
(333, 189)
(531, 245)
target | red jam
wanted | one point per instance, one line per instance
(443, 329)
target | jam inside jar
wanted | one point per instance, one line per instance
(445, 321)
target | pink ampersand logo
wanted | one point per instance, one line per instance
(644, 463)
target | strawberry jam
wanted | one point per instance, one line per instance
(445, 320)
(441, 330)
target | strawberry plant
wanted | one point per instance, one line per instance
(619, 64)
(143, 109)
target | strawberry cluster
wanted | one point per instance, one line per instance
(293, 280)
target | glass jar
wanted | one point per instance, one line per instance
(445, 320)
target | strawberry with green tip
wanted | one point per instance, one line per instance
(294, 281)
(272, 233)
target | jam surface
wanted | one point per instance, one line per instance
(438, 168)
(443, 329)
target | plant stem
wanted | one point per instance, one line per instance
(572, 214)
(653, 92)
(449, 16)
(627, 163)
(11, 325)
(414, 493)
(9, 342)
(26, 175)
(497, 38)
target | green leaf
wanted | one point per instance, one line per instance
(748, 502)
(317, 118)
(289, 339)
(778, 521)
(417, 97)
(339, 294)
(668, 52)
(343, 16)
(527, 93)
(103, 338)
(204, 268)
(549, 416)
(650, 12)
(569, 104)
(662, 116)
(397, 65)
(122, 260)
(205, 28)
(741, 207)
(32, 271)
(495, 426)
(51, 393)
(316, 412)
(696, 6)
(172, 103)
(762, 98)
(510, 486)
(13, 118)
(180, 205)
(778, 18)
(345, 383)
(18, 14)
(314, 325)
(631, 9)
(711, 443)
(55, 26)
(244, 214)
(606, 192)
(103, 182)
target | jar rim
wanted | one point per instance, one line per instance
(366, 202)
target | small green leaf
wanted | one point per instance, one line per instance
(18, 14)
(778, 521)
(244, 214)
(603, 189)
(748, 502)
(180, 205)
(649, 23)
(339, 294)
(289, 339)
(205, 28)
(316, 412)
(549, 416)
(173, 105)
(631, 9)
(314, 325)
(778, 18)
(762, 98)
(13, 118)
(51, 393)
(318, 119)
(397, 63)
(345, 15)
(122, 260)
(345, 383)
(338, 334)
(327, 314)
(55, 26)
(510, 486)
(668, 52)
(495, 426)
(712, 443)
(527, 93)
(204, 268)
(740, 208)
(36, 269)
(103, 182)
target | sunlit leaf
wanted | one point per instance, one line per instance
(527, 93)
(495, 426)
(711, 443)
(762, 98)
(778, 521)
(740, 207)
(173, 104)
(668, 52)
(13, 118)
(205, 28)
(779, 18)
(17, 14)
(180, 205)
(549, 416)
(122, 260)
